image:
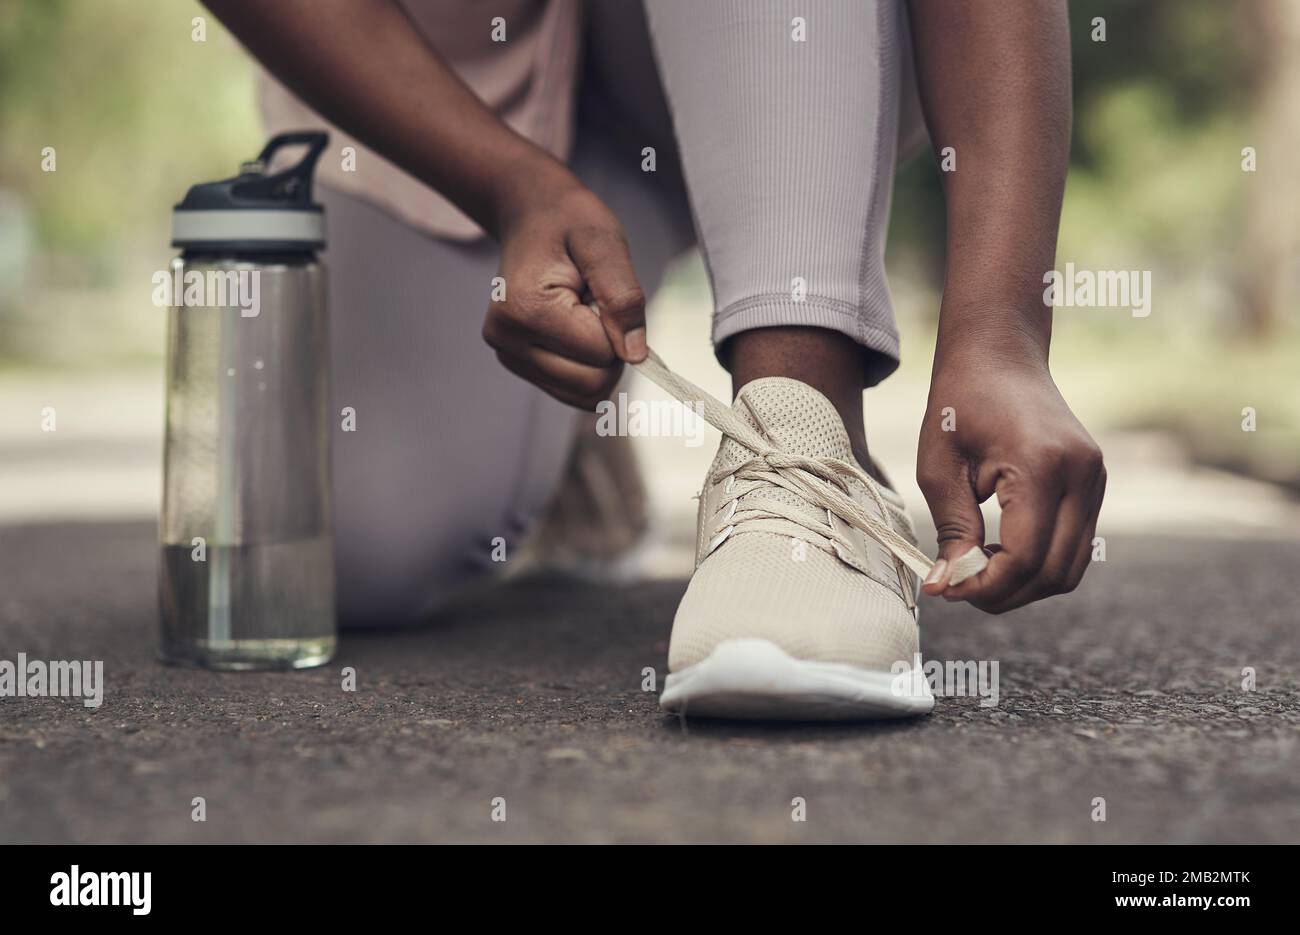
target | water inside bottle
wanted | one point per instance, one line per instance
(248, 606)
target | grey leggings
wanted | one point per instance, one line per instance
(787, 115)
(788, 149)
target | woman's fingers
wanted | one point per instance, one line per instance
(1084, 557)
(556, 342)
(553, 319)
(954, 503)
(606, 266)
(1068, 550)
(569, 381)
(1056, 575)
(1030, 504)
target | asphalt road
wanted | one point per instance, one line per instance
(1129, 690)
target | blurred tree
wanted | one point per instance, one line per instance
(1270, 256)
(135, 110)
(1163, 105)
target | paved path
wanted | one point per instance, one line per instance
(1129, 691)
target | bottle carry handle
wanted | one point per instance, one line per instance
(294, 183)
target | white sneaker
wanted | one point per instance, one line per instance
(793, 613)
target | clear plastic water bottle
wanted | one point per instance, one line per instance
(246, 579)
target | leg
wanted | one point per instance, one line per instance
(797, 608)
(828, 361)
(789, 150)
(451, 451)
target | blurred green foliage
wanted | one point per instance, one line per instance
(135, 111)
(1161, 110)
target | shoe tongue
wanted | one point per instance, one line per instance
(797, 419)
(792, 416)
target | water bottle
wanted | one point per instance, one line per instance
(246, 578)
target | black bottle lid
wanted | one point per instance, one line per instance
(254, 212)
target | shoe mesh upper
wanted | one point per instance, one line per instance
(761, 584)
(792, 418)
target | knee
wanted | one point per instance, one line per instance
(386, 585)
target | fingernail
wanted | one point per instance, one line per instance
(936, 573)
(634, 341)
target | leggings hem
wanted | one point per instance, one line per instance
(778, 309)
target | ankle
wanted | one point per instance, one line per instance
(828, 361)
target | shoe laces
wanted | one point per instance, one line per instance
(824, 482)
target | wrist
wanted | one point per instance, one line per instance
(520, 186)
(993, 338)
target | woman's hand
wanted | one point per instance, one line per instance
(999, 427)
(573, 311)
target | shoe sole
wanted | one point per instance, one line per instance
(757, 680)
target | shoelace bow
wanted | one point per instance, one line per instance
(822, 481)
